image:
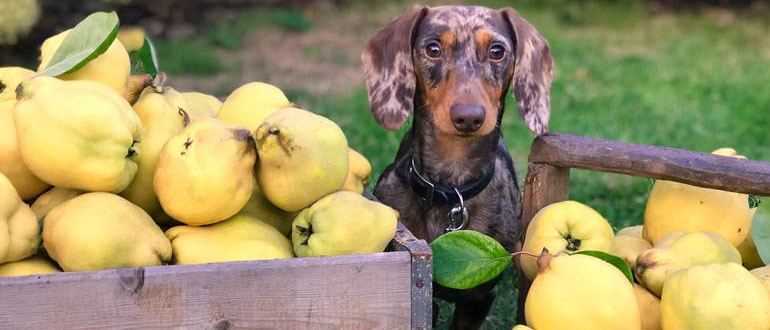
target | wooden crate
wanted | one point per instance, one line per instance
(553, 155)
(389, 290)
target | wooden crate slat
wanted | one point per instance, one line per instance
(552, 155)
(422, 276)
(360, 291)
(696, 168)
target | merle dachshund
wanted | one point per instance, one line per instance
(451, 67)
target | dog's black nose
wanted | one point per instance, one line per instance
(467, 118)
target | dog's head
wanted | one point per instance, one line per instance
(462, 61)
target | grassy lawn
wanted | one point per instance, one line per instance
(693, 81)
(675, 81)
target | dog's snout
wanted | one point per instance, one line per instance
(467, 118)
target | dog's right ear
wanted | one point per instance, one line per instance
(389, 70)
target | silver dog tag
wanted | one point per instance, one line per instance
(458, 214)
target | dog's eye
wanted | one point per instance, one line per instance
(496, 52)
(433, 49)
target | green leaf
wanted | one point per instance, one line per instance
(616, 261)
(754, 201)
(148, 58)
(465, 259)
(87, 40)
(760, 233)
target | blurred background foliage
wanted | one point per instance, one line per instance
(686, 74)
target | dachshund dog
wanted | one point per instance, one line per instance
(450, 67)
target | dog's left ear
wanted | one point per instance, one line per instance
(533, 72)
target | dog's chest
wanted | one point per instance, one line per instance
(494, 211)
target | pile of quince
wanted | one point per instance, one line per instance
(691, 265)
(104, 168)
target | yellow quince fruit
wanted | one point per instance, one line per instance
(249, 104)
(628, 247)
(343, 223)
(359, 170)
(679, 251)
(205, 174)
(302, 157)
(674, 206)
(131, 37)
(719, 296)
(35, 265)
(763, 274)
(11, 164)
(10, 77)
(161, 120)
(568, 226)
(100, 230)
(259, 207)
(111, 68)
(581, 292)
(633, 231)
(77, 134)
(200, 105)
(51, 199)
(749, 253)
(649, 308)
(239, 238)
(19, 228)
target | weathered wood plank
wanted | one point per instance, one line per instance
(543, 185)
(422, 276)
(696, 168)
(347, 292)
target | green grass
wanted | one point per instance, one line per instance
(682, 81)
(192, 57)
(230, 34)
(197, 55)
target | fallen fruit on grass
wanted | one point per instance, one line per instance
(722, 296)
(302, 157)
(100, 230)
(679, 251)
(35, 265)
(239, 238)
(674, 206)
(343, 223)
(19, 228)
(95, 134)
(205, 174)
(567, 226)
(581, 292)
